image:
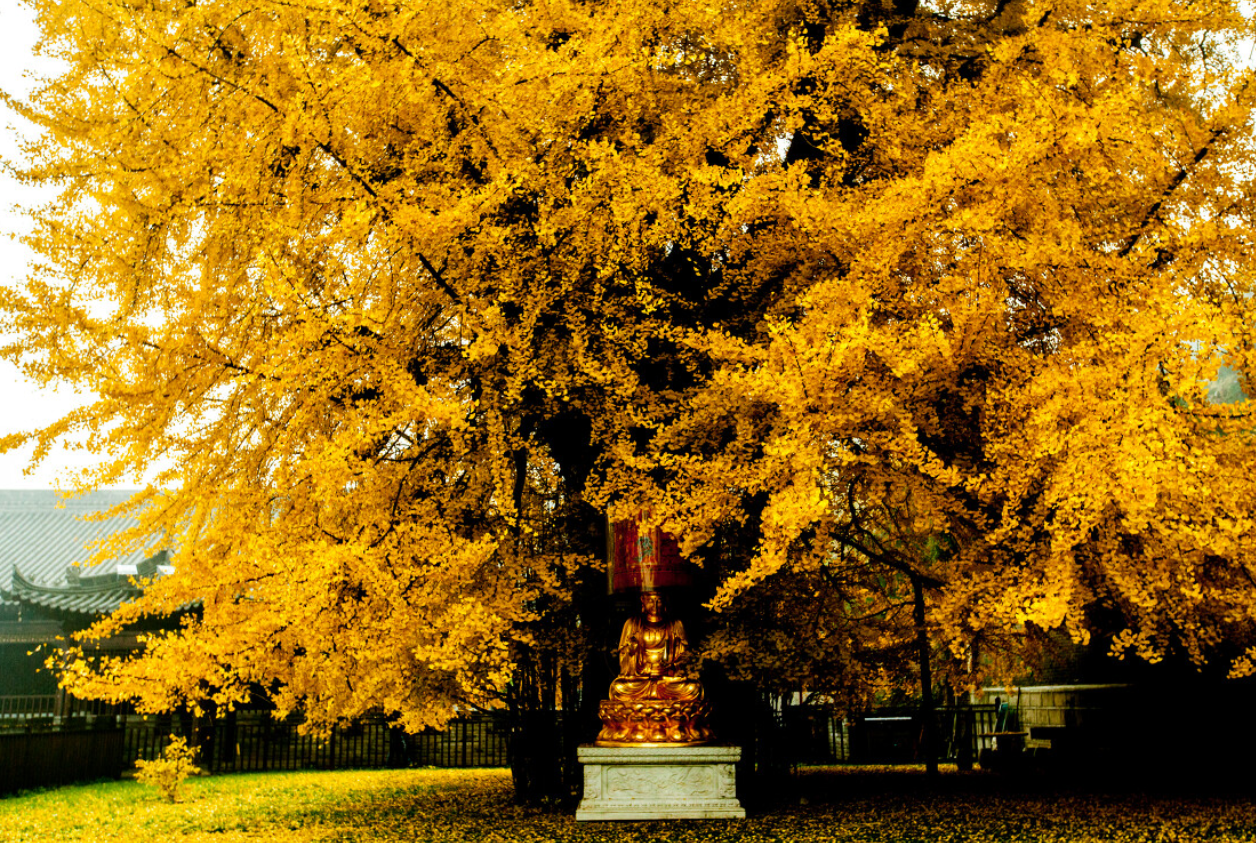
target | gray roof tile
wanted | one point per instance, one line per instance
(42, 536)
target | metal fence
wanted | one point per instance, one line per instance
(255, 741)
(479, 741)
(267, 745)
(248, 741)
(816, 736)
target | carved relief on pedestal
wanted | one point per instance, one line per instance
(592, 782)
(648, 782)
(726, 781)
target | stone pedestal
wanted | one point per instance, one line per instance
(659, 782)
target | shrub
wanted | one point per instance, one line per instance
(168, 772)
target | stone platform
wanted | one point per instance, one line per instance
(659, 782)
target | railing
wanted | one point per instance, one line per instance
(74, 707)
(28, 706)
(47, 709)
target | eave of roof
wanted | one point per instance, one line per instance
(90, 596)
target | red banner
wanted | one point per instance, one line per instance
(644, 559)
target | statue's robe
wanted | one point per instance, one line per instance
(651, 663)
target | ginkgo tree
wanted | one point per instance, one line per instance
(399, 299)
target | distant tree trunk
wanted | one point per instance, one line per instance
(203, 737)
(535, 755)
(964, 733)
(927, 713)
(398, 751)
(227, 742)
(580, 716)
(554, 696)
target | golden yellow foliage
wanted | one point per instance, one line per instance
(929, 290)
(168, 772)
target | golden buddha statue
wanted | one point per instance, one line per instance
(653, 700)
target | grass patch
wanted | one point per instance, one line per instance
(449, 806)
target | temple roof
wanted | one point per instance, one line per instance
(89, 595)
(42, 539)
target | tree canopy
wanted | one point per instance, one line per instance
(397, 298)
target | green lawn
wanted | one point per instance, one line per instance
(475, 806)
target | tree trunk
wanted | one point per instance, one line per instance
(928, 718)
(964, 733)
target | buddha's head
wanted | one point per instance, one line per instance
(652, 605)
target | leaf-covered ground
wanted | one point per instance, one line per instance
(858, 804)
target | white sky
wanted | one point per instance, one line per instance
(23, 405)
